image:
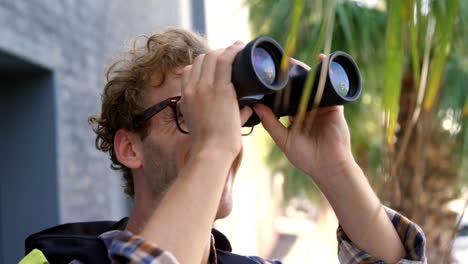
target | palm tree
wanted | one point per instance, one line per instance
(414, 66)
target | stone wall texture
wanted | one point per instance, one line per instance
(75, 40)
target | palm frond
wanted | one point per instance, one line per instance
(393, 67)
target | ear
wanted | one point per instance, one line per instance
(128, 149)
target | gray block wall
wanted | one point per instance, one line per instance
(74, 41)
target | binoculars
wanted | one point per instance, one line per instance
(258, 78)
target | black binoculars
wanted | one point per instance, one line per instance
(258, 78)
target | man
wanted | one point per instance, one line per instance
(171, 122)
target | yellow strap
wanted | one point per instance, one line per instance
(34, 257)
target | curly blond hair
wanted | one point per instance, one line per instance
(127, 79)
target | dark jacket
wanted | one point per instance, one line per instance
(79, 241)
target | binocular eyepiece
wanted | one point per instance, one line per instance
(258, 78)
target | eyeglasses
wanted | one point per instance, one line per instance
(140, 119)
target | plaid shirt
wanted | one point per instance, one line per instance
(124, 247)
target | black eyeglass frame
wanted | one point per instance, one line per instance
(140, 119)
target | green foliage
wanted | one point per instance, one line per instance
(464, 162)
(455, 88)
(445, 13)
(358, 31)
(396, 19)
(388, 44)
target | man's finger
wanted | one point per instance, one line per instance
(186, 76)
(245, 114)
(224, 63)
(196, 68)
(278, 132)
(293, 61)
(207, 75)
(298, 62)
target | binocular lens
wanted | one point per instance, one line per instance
(258, 78)
(264, 65)
(339, 78)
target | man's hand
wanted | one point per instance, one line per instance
(321, 148)
(183, 220)
(209, 103)
(321, 143)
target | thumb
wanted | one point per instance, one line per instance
(270, 122)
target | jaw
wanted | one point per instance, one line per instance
(225, 204)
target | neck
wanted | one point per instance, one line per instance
(206, 253)
(141, 213)
(139, 217)
(144, 205)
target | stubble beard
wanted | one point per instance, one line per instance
(161, 172)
